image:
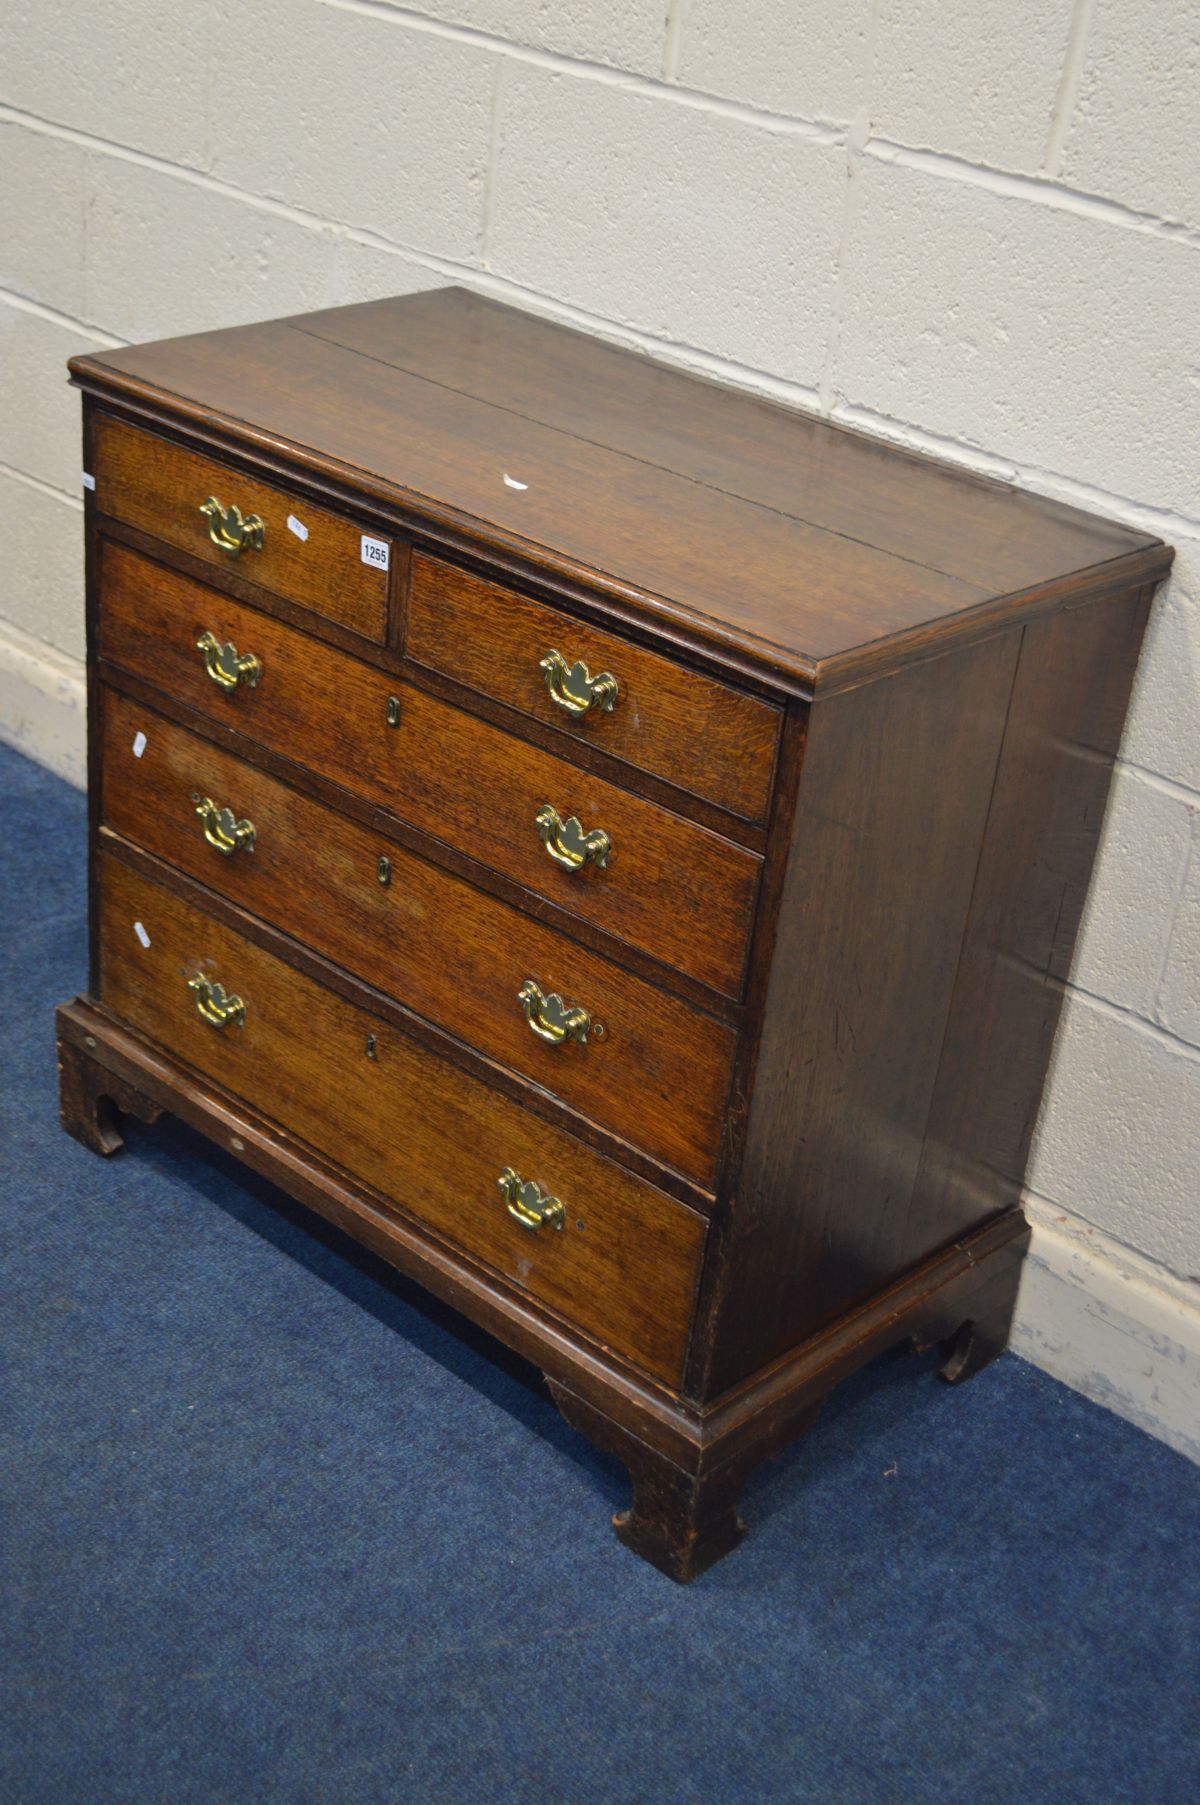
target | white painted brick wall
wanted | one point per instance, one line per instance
(1050, 338)
(973, 229)
(628, 35)
(39, 414)
(800, 57)
(1179, 991)
(42, 569)
(623, 202)
(43, 207)
(1127, 1093)
(1134, 134)
(137, 71)
(976, 81)
(356, 118)
(202, 255)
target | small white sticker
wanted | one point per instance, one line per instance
(139, 744)
(88, 480)
(513, 483)
(375, 551)
(297, 526)
(141, 933)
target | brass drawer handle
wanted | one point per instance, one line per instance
(224, 665)
(222, 829)
(567, 843)
(573, 690)
(529, 1206)
(553, 1020)
(212, 1002)
(227, 529)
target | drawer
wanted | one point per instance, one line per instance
(651, 1068)
(624, 1264)
(670, 887)
(158, 486)
(711, 740)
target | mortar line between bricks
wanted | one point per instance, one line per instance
(1154, 780)
(673, 38)
(782, 389)
(607, 74)
(37, 482)
(777, 388)
(1163, 1037)
(1038, 189)
(493, 165)
(1049, 483)
(856, 139)
(39, 310)
(1181, 884)
(673, 351)
(1068, 88)
(184, 172)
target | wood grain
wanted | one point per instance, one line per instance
(728, 439)
(113, 1063)
(420, 1131)
(158, 486)
(710, 739)
(445, 948)
(889, 823)
(672, 888)
(868, 711)
(722, 549)
(1064, 727)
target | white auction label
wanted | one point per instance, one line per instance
(375, 551)
(297, 526)
(89, 481)
(139, 744)
(141, 933)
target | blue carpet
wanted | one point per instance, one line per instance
(277, 1529)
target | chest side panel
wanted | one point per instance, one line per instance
(1064, 727)
(888, 826)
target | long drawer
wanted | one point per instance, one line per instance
(642, 1063)
(663, 883)
(607, 1251)
(284, 543)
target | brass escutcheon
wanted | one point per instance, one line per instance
(567, 843)
(223, 664)
(553, 1020)
(574, 690)
(227, 529)
(222, 829)
(214, 1004)
(529, 1206)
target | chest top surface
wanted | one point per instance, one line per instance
(810, 549)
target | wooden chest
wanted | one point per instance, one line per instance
(612, 844)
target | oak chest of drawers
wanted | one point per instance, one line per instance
(611, 844)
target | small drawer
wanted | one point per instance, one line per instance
(156, 485)
(711, 740)
(664, 884)
(607, 1251)
(641, 1063)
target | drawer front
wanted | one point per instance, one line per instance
(160, 487)
(645, 1065)
(674, 889)
(711, 740)
(624, 1264)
